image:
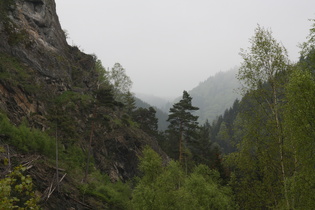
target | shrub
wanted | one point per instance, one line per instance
(16, 191)
(27, 139)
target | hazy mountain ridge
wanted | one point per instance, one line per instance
(212, 96)
(156, 101)
(215, 95)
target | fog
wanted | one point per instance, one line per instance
(168, 46)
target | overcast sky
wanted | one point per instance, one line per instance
(167, 46)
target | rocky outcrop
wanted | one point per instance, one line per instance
(31, 37)
(17, 102)
(33, 33)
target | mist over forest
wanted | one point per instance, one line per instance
(73, 135)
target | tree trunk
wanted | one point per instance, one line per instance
(280, 142)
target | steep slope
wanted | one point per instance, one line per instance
(49, 87)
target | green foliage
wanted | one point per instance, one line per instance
(262, 162)
(299, 124)
(73, 158)
(308, 47)
(62, 112)
(120, 81)
(265, 59)
(274, 164)
(116, 195)
(160, 115)
(26, 139)
(258, 182)
(150, 164)
(103, 80)
(169, 188)
(69, 99)
(105, 97)
(183, 125)
(205, 192)
(147, 120)
(16, 191)
(202, 148)
(129, 102)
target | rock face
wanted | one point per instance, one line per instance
(33, 34)
(38, 68)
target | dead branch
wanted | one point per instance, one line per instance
(51, 189)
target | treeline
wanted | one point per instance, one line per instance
(263, 146)
(268, 136)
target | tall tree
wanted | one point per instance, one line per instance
(300, 125)
(183, 123)
(260, 74)
(129, 102)
(120, 80)
(103, 75)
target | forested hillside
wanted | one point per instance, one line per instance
(73, 136)
(263, 145)
(215, 94)
(212, 96)
(268, 135)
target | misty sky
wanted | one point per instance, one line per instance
(167, 46)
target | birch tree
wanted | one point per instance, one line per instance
(260, 73)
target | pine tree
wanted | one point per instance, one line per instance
(183, 123)
(146, 119)
(129, 102)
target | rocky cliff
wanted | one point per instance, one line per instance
(51, 87)
(31, 32)
(34, 51)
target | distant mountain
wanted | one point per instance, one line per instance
(215, 95)
(161, 103)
